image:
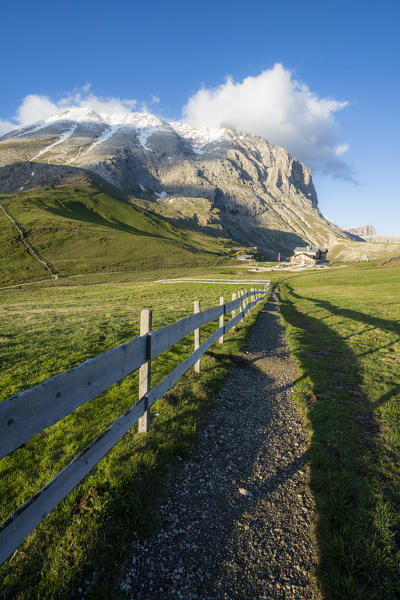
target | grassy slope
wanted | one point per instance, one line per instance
(91, 314)
(343, 327)
(15, 263)
(201, 212)
(79, 229)
(358, 251)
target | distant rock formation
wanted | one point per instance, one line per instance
(362, 231)
(367, 233)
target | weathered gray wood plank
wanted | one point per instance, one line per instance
(25, 519)
(167, 336)
(26, 414)
(232, 304)
(236, 319)
(167, 383)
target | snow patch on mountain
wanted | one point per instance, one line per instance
(138, 120)
(79, 115)
(64, 136)
(200, 137)
(145, 125)
(144, 135)
(26, 130)
(107, 133)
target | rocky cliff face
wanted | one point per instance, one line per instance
(367, 233)
(29, 175)
(218, 179)
(362, 231)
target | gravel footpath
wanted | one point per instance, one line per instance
(238, 515)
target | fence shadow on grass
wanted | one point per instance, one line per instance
(354, 561)
(373, 323)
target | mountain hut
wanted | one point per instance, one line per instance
(308, 255)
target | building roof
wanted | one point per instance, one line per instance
(301, 249)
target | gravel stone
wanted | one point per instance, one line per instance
(238, 517)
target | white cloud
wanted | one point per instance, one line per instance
(273, 104)
(278, 107)
(83, 99)
(35, 107)
(6, 126)
(341, 149)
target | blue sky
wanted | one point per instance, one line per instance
(342, 51)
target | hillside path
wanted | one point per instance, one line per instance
(237, 520)
(26, 244)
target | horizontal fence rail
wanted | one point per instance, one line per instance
(214, 281)
(26, 414)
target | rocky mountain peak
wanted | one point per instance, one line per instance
(252, 191)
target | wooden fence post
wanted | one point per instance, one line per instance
(252, 298)
(197, 336)
(221, 318)
(145, 370)
(242, 303)
(234, 310)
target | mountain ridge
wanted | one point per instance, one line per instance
(258, 194)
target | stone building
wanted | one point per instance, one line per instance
(308, 255)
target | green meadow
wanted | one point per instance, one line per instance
(49, 327)
(83, 229)
(343, 327)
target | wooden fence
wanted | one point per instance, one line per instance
(26, 414)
